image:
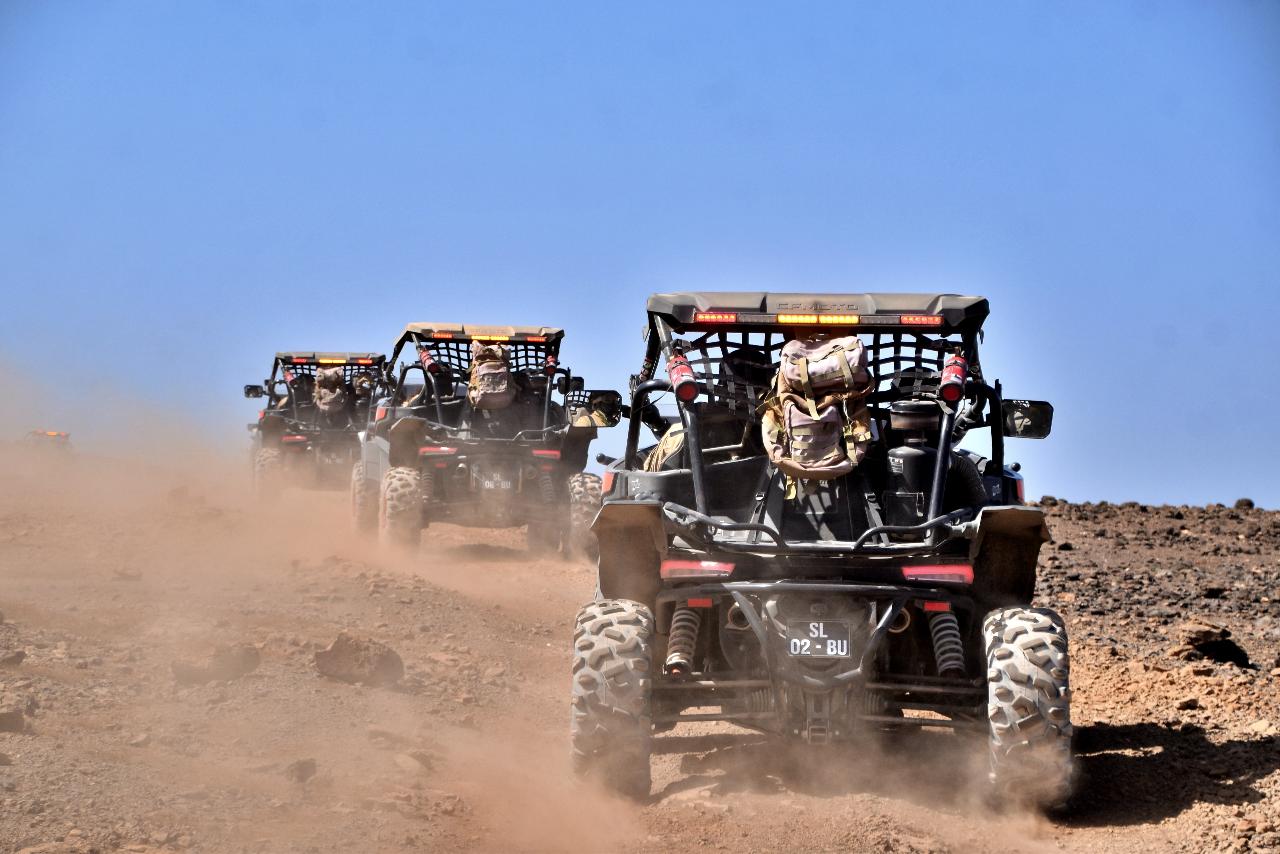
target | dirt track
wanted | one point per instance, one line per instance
(108, 576)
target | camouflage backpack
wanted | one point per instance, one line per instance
(815, 424)
(491, 385)
(331, 390)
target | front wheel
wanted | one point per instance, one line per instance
(584, 505)
(610, 727)
(1029, 706)
(400, 507)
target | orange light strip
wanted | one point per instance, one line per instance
(536, 339)
(920, 320)
(715, 317)
(798, 318)
(838, 319)
(490, 337)
(364, 361)
(441, 334)
(332, 361)
(300, 361)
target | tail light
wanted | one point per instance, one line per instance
(547, 453)
(293, 440)
(379, 413)
(435, 450)
(682, 378)
(955, 372)
(715, 317)
(945, 573)
(694, 569)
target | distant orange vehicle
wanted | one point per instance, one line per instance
(59, 439)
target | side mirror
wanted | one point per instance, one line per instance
(253, 391)
(603, 409)
(1027, 419)
(564, 385)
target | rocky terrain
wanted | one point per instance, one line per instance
(182, 670)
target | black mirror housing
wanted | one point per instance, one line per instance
(253, 391)
(604, 408)
(1027, 419)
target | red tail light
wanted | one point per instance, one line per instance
(293, 440)
(699, 602)
(547, 454)
(432, 450)
(936, 606)
(920, 320)
(695, 569)
(944, 573)
(955, 372)
(379, 413)
(682, 378)
(606, 482)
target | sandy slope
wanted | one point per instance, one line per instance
(109, 573)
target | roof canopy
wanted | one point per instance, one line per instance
(943, 312)
(315, 357)
(430, 329)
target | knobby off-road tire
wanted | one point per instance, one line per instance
(609, 727)
(584, 503)
(400, 507)
(364, 501)
(1029, 707)
(268, 473)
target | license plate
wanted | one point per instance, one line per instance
(818, 639)
(496, 483)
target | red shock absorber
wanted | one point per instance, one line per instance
(955, 373)
(683, 381)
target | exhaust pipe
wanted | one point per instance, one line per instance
(735, 619)
(901, 622)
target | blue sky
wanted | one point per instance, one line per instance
(195, 185)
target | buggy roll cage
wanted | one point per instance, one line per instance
(288, 365)
(446, 348)
(911, 335)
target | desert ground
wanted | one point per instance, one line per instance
(159, 690)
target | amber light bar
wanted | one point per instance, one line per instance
(920, 320)
(715, 317)
(820, 319)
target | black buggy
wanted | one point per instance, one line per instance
(315, 403)
(431, 454)
(893, 597)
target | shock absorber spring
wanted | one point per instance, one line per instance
(547, 487)
(948, 647)
(683, 640)
(427, 483)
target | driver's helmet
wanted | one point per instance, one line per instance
(362, 384)
(302, 387)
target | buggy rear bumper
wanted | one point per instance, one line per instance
(959, 698)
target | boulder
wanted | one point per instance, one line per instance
(359, 660)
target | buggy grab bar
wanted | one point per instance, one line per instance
(686, 517)
(639, 399)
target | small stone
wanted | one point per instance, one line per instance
(1189, 703)
(1262, 727)
(300, 771)
(1244, 504)
(12, 658)
(141, 740)
(12, 720)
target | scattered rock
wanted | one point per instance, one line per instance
(351, 659)
(140, 740)
(1263, 727)
(225, 664)
(12, 720)
(300, 771)
(1244, 504)
(12, 658)
(1189, 703)
(1211, 641)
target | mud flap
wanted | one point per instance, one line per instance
(632, 546)
(1004, 553)
(405, 437)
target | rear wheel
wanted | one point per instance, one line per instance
(364, 501)
(610, 728)
(400, 507)
(268, 473)
(1029, 706)
(584, 505)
